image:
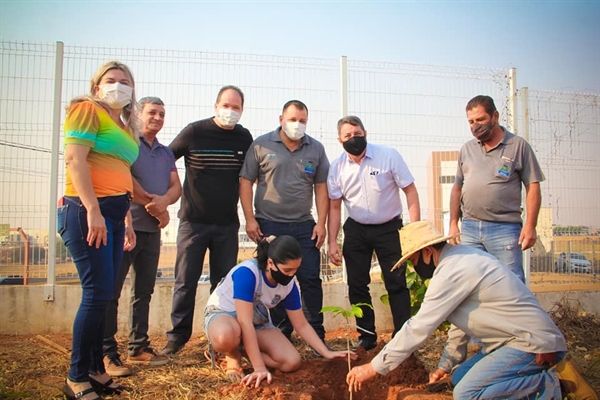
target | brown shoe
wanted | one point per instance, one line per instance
(114, 367)
(147, 356)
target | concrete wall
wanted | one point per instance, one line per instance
(24, 311)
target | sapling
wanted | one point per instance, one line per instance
(354, 311)
(417, 287)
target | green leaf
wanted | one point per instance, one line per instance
(385, 299)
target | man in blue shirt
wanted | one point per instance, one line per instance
(156, 186)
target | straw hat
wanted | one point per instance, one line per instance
(417, 236)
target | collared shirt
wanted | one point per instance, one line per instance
(491, 180)
(285, 179)
(370, 189)
(152, 170)
(482, 299)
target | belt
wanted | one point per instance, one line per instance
(396, 218)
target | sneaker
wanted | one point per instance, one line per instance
(572, 382)
(171, 348)
(147, 356)
(366, 343)
(114, 366)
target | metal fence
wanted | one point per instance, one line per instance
(418, 109)
(563, 129)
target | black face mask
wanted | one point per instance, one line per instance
(482, 132)
(280, 277)
(425, 270)
(355, 145)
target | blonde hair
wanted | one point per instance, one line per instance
(129, 113)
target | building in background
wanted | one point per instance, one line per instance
(441, 168)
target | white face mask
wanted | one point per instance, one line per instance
(227, 117)
(116, 95)
(294, 130)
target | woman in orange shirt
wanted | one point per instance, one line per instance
(93, 218)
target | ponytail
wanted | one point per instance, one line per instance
(280, 249)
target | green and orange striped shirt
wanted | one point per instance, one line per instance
(112, 149)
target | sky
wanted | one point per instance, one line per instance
(555, 45)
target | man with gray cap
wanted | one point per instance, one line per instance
(477, 294)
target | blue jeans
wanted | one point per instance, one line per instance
(506, 373)
(193, 239)
(500, 239)
(309, 274)
(144, 259)
(97, 269)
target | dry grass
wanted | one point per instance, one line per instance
(34, 367)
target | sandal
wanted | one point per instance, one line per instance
(71, 395)
(107, 388)
(216, 359)
(234, 374)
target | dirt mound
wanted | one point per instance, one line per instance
(326, 380)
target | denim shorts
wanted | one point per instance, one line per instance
(210, 312)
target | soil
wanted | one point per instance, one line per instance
(35, 366)
(326, 380)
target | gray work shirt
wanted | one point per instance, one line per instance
(483, 300)
(284, 179)
(491, 180)
(152, 170)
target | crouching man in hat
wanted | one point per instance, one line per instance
(477, 294)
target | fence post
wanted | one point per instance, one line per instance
(56, 112)
(512, 101)
(344, 84)
(344, 110)
(527, 253)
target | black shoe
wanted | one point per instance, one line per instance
(106, 388)
(172, 348)
(366, 344)
(71, 395)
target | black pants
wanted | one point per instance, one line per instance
(309, 275)
(144, 258)
(360, 241)
(193, 239)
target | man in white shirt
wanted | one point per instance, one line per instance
(367, 178)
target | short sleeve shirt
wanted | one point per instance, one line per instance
(112, 149)
(223, 297)
(370, 190)
(491, 180)
(284, 179)
(152, 170)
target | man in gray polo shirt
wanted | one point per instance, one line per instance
(288, 166)
(156, 185)
(487, 188)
